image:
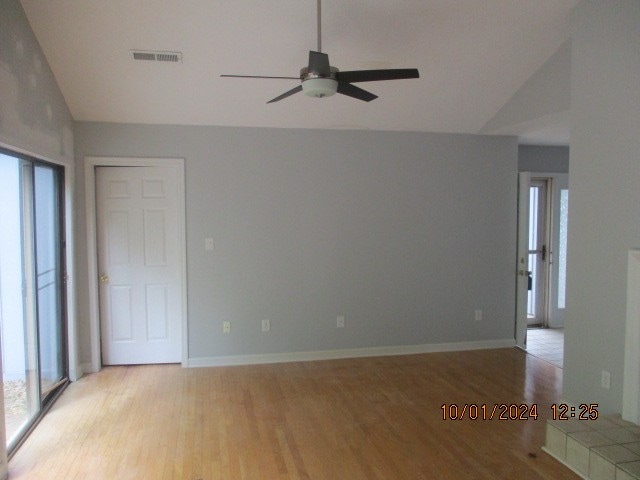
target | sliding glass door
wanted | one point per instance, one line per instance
(32, 303)
(49, 278)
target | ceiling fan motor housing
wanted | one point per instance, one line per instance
(319, 85)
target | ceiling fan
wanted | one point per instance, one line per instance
(319, 79)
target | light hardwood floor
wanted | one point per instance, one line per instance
(372, 418)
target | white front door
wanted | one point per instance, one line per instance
(538, 253)
(139, 265)
(522, 267)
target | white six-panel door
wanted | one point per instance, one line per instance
(139, 265)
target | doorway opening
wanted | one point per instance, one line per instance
(542, 257)
(101, 282)
(32, 291)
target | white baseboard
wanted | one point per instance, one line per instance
(348, 353)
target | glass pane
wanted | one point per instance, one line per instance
(17, 305)
(534, 208)
(48, 278)
(533, 217)
(562, 247)
(532, 310)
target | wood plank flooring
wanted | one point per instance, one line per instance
(371, 418)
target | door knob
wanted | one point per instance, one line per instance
(104, 278)
(524, 273)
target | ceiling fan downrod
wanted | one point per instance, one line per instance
(319, 26)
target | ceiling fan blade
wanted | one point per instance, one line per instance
(377, 75)
(319, 63)
(259, 76)
(355, 92)
(287, 94)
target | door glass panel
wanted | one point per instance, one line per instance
(534, 193)
(17, 305)
(562, 247)
(48, 278)
(31, 290)
(537, 252)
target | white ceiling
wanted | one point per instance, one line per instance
(473, 56)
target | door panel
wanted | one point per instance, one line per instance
(139, 268)
(155, 248)
(538, 253)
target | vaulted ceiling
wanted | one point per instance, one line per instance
(473, 57)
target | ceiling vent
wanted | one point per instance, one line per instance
(148, 55)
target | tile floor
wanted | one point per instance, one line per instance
(604, 449)
(547, 344)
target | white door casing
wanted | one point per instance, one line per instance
(165, 295)
(521, 271)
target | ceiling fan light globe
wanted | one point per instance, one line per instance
(320, 87)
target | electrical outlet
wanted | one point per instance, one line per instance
(478, 316)
(226, 327)
(340, 322)
(266, 325)
(605, 380)
(208, 243)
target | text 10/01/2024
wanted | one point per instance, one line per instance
(514, 411)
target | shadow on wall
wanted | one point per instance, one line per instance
(30, 96)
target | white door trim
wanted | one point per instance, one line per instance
(524, 178)
(92, 246)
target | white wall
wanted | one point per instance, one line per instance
(604, 219)
(405, 234)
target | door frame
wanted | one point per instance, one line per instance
(92, 244)
(542, 282)
(524, 179)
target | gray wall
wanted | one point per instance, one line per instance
(604, 220)
(532, 158)
(34, 119)
(33, 114)
(405, 234)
